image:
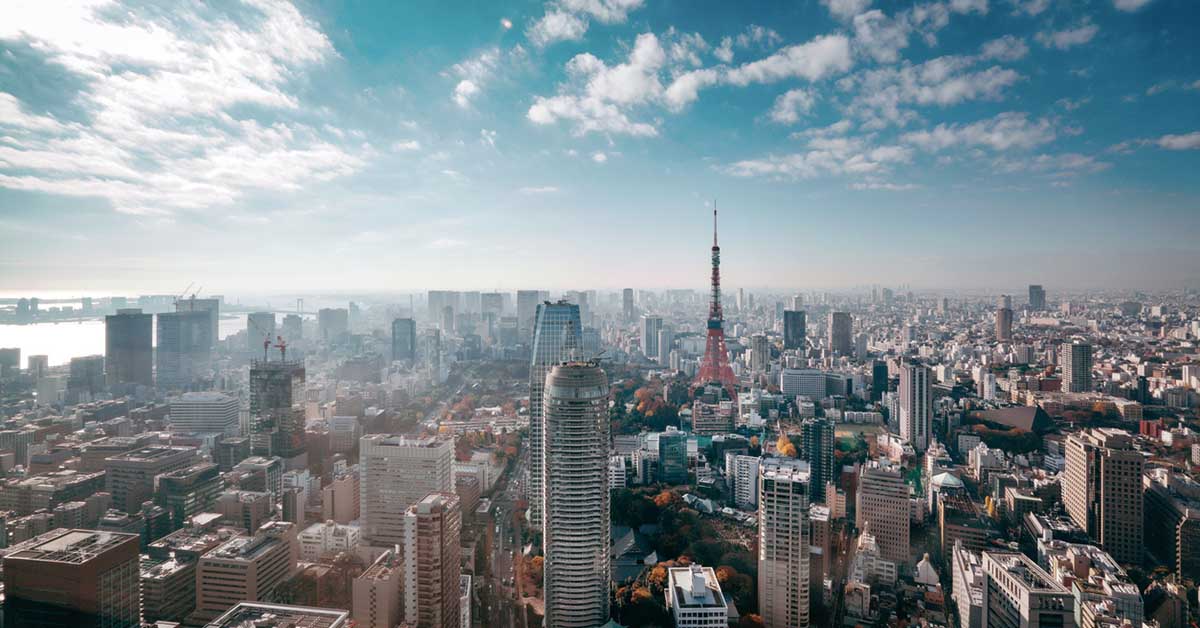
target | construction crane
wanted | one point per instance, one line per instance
(280, 344)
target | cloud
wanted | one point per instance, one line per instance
(1006, 48)
(1069, 38)
(487, 137)
(1189, 141)
(1071, 104)
(545, 189)
(756, 35)
(884, 185)
(406, 145)
(161, 98)
(599, 157)
(1003, 132)
(567, 20)
(791, 105)
(1130, 5)
(594, 97)
(814, 60)
(825, 156)
(1060, 166)
(505, 23)
(464, 91)
(1029, 7)
(724, 52)
(846, 9)
(882, 95)
(557, 26)
(447, 243)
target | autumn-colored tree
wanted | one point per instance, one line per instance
(753, 442)
(750, 620)
(536, 566)
(665, 498)
(785, 447)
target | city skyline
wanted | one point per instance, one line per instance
(959, 144)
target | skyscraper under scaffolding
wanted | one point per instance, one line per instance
(277, 411)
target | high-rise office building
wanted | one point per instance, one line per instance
(576, 496)
(10, 362)
(277, 411)
(492, 303)
(1037, 297)
(433, 527)
(395, 473)
(404, 340)
(292, 328)
(1102, 490)
(916, 405)
(129, 477)
(1017, 592)
(204, 413)
(185, 341)
(86, 378)
(260, 330)
(651, 325)
(557, 337)
(627, 309)
(879, 381)
(840, 326)
(760, 353)
(817, 439)
(527, 305)
(795, 329)
(1004, 324)
(66, 577)
(129, 348)
(883, 508)
(1076, 361)
(211, 307)
(783, 542)
(665, 339)
(332, 324)
(38, 366)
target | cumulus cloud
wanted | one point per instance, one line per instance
(824, 156)
(1188, 141)
(568, 20)
(846, 9)
(882, 96)
(1130, 5)
(1029, 7)
(406, 145)
(543, 189)
(792, 105)
(464, 91)
(813, 60)
(1002, 132)
(1068, 38)
(162, 96)
(599, 157)
(1054, 166)
(1006, 48)
(724, 52)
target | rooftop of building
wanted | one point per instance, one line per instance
(787, 469)
(152, 568)
(206, 396)
(695, 586)
(244, 547)
(403, 440)
(151, 454)
(69, 546)
(260, 615)
(1025, 570)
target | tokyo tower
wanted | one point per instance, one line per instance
(715, 365)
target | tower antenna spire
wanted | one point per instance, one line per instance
(714, 222)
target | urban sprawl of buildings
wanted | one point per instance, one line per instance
(879, 457)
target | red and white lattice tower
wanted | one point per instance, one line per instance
(715, 365)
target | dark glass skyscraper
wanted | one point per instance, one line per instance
(404, 340)
(276, 411)
(794, 329)
(129, 348)
(557, 334)
(817, 436)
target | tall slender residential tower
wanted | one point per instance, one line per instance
(714, 367)
(916, 405)
(783, 542)
(432, 555)
(556, 336)
(817, 434)
(1076, 361)
(576, 506)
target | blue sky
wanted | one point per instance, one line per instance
(267, 146)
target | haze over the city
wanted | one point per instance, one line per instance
(271, 147)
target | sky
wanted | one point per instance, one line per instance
(268, 146)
